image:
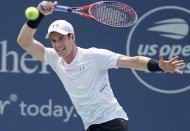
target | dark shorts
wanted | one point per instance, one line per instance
(113, 125)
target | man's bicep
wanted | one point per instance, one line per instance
(123, 61)
(36, 49)
(128, 62)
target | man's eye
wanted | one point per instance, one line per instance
(53, 41)
(62, 38)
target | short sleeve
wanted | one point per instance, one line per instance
(104, 58)
(50, 56)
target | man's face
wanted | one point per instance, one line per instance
(62, 44)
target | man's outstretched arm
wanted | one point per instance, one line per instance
(148, 64)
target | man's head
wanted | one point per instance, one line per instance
(61, 26)
(61, 34)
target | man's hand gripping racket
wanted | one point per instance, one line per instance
(110, 13)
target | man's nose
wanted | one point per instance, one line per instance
(58, 44)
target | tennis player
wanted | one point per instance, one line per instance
(84, 72)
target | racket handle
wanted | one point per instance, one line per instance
(62, 8)
(59, 8)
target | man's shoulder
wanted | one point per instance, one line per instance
(87, 53)
(50, 51)
(87, 49)
(91, 50)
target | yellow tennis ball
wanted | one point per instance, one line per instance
(32, 13)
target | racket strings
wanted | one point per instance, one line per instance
(113, 14)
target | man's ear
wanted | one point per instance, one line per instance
(73, 37)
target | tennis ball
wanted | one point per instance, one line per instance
(32, 13)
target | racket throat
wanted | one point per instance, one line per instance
(84, 14)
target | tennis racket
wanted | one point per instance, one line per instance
(110, 13)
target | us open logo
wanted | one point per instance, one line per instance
(163, 30)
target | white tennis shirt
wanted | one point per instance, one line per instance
(86, 81)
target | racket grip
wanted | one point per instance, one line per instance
(62, 8)
(59, 8)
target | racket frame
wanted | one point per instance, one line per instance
(78, 10)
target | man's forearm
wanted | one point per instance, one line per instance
(26, 35)
(136, 62)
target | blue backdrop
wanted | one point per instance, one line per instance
(32, 97)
